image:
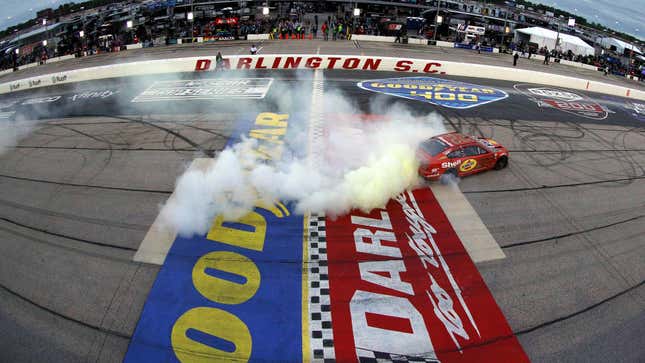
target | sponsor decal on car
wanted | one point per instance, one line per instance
(450, 164)
(206, 89)
(468, 165)
(564, 100)
(436, 91)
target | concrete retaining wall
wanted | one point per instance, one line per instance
(257, 37)
(315, 61)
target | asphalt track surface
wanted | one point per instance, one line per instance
(78, 194)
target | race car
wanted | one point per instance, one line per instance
(455, 155)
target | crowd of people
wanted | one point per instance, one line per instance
(298, 21)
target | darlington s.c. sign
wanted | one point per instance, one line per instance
(321, 62)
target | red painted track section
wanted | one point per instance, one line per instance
(402, 284)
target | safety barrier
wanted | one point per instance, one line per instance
(315, 61)
(27, 66)
(61, 58)
(373, 38)
(441, 43)
(133, 46)
(257, 36)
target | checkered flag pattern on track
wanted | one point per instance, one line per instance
(322, 338)
(368, 356)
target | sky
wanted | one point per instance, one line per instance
(18, 11)
(624, 15)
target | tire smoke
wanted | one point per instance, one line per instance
(362, 164)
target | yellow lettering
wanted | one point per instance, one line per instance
(467, 97)
(252, 240)
(221, 290)
(410, 86)
(270, 135)
(444, 96)
(488, 90)
(377, 85)
(272, 119)
(427, 95)
(391, 85)
(270, 152)
(215, 322)
(274, 131)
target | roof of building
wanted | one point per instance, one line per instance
(619, 44)
(39, 30)
(550, 34)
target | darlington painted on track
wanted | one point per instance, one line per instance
(457, 155)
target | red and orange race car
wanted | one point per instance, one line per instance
(455, 155)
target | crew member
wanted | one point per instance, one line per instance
(516, 55)
(219, 62)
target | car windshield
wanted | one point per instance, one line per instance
(433, 146)
(486, 144)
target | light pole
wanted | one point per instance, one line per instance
(437, 20)
(557, 36)
(506, 28)
(190, 18)
(45, 24)
(357, 13)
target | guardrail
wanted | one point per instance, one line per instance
(315, 61)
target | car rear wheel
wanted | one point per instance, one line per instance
(501, 163)
(449, 177)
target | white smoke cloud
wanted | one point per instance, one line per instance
(363, 164)
(11, 132)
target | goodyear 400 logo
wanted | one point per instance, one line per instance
(437, 91)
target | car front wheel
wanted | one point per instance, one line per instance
(501, 163)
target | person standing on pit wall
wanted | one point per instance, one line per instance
(516, 55)
(254, 50)
(314, 30)
(546, 56)
(340, 31)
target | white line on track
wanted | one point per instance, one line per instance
(157, 242)
(472, 232)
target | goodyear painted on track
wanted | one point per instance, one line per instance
(437, 91)
(235, 293)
